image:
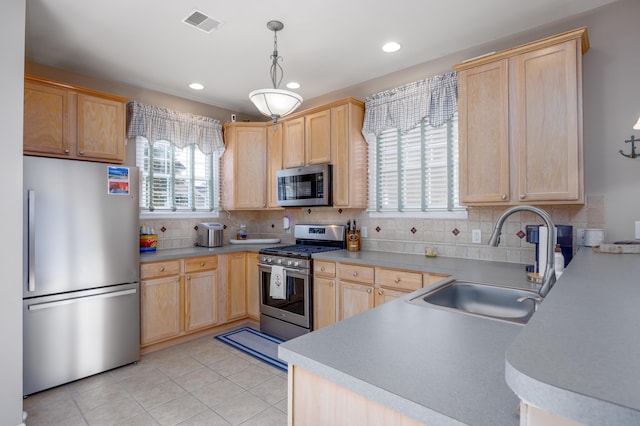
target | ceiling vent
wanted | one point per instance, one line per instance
(202, 22)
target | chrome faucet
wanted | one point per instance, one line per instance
(549, 278)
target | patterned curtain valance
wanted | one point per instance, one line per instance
(181, 129)
(434, 98)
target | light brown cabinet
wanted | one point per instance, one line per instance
(236, 287)
(307, 139)
(253, 286)
(293, 143)
(70, 122)
(201, 292)
(178, 297)
(324, 294)
(520, 124)
(244, 166)
(160, 301)
(355, 289)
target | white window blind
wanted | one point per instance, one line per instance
(416, 171)
(177, 179)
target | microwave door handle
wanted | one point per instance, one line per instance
(31, 240)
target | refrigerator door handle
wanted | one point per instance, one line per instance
(31, 243)
(46, 305)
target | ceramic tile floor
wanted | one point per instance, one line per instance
(203, 382)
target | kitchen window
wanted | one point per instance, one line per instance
(416, 171)
(178, 155)
(174, 179)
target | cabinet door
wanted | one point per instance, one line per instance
(274, 163)
(324, 302)
(547, 123)
(293, 143)
(100, 128)
(354, 299)
(483, 111)
(46, 119)
(349, 156)
(253, 286)
(201, 300)
(250, 167)
(318, 137)
(384, 295)
(236, 286)
(160, 309)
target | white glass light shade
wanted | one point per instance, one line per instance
(637, 125)
(275, 103)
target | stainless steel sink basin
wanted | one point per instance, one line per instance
(481, 299)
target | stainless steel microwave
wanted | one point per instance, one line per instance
(305, 186)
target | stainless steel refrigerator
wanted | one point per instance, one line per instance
(81, 294)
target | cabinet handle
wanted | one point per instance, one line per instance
(188, 277)
(504, 196)
(322, 269)
(355, 274)
(201, 263)
(368, 290)
(380, 292)
(162, 269)
(66, 151)
(523, 196)
(397, 280)
(330, 283)
(81, 152)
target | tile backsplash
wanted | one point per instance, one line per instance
(448, 237)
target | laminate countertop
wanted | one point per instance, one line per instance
(577, 357)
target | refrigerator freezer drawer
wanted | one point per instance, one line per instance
(75, 335)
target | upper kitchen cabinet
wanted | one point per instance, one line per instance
(244, 166)
(307, 139)
(65, 121)
(520, 124)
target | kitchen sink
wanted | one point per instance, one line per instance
(486, 300)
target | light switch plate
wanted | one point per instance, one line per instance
(580, 237)
(637, 229)
(476, 236)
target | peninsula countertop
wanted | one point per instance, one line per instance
(577, 357)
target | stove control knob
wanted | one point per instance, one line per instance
(279, 262)
(269, 260)
(296, 263)
(289, 263)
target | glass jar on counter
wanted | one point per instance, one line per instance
(241, 233)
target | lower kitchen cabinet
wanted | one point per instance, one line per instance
(160, 290)
(533, 416)
(201, 293)
(355, 289)
(236, 286)
(324, 294)
(253, 286)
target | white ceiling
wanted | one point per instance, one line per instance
(326, 45)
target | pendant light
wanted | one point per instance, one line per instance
(275, 103)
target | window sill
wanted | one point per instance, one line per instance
(177, 215)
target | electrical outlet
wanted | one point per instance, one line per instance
(363, 231)
(580, 237)
(476, 236)
(637, 229)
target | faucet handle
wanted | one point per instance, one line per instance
(536, 300)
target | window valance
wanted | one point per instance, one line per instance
(181, 129)
(434, 99)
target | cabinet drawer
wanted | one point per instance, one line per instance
(324, 269)
(431, 278)
(195, 264)
(398, 279)
(159, 269)
(357, 273)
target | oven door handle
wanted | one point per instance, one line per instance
(288, 270)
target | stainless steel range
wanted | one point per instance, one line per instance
(286, 280)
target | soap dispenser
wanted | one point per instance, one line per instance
(558, 261)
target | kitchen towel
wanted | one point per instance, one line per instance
(277, 283)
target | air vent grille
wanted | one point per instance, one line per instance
(202, 22)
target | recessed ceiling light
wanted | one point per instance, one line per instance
(196, 86)
(391, 46)
(293, 85)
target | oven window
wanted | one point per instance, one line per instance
(294, 301)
